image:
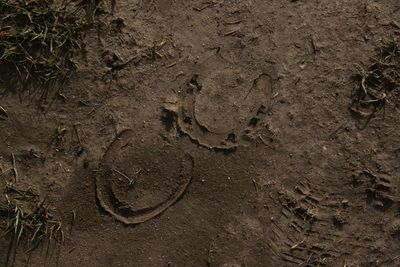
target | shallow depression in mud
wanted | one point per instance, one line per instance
(222, 103)
(138, 181)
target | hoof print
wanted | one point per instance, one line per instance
(221, 103)
(137, 182)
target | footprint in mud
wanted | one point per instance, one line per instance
(135, 183)
(222, 104)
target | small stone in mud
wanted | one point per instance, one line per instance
(110, 58)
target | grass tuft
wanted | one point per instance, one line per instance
(37, 43)
(23, 216)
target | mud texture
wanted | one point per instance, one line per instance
(220, 131)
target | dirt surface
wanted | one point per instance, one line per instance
(242, 149)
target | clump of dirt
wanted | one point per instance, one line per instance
(339, 219)
(394, 228)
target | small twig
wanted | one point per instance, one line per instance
(131, 181)
(3, 112)
(158, 54)
(231, 32)
(395, 258)
(275, 95)
(255, 185)
(77, 133)
(171, 65)
(372, 100)
(204, 6)
(264, 142)
(120, 66)
(73, 220)
(313, 45)
(363, 86)
(14, 167)
(233, 22)
(296, 245)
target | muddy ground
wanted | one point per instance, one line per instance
(241, 149)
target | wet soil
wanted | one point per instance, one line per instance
(225, 140)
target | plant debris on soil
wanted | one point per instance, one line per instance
(25, 217)
(379, 82)
(37, 44)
